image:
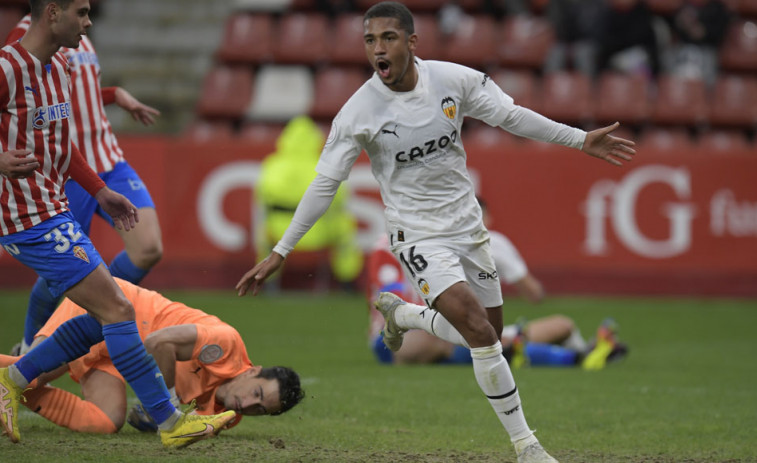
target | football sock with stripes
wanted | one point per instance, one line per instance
(70, 341)
(496, 381)
(141, 372)
(68, 410)
(122, 267)
(41, 306)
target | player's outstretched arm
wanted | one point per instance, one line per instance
(118, 207)
(17, 163)
(139, 111)
(600, 144)
(259, 273)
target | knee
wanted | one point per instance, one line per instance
(121, 311)
(148, 254)
(481, 332)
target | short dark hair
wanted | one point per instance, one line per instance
(290, 392)
(36, 6)
(394, 10)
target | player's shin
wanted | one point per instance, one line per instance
(141, 372)
(496, 381)
(413, 316)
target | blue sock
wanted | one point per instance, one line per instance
(123, 268)
(549, 355)
(460, 355)
(383, 354)
(41, 305)
(70, 341)
(138, 368)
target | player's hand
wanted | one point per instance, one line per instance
(119, 208)
(18, 163)
(600, 144)
(139, 112)
(259, 273)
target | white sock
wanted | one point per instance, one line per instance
(169, 423)
(495, 379)
(174, 398)
(17, 377)
(412, 316)
(576, 342)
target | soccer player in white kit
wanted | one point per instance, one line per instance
(408, 117)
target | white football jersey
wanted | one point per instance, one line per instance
(413, 142)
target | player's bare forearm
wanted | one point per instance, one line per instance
(139, 111)
(170, 345)
(259, 273)
(600, 144)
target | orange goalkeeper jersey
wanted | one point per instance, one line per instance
(219, 353)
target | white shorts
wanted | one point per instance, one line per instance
(433, 266)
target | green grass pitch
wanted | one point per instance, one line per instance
(686, 393)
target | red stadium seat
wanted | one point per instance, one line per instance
(226, 92)
(472, 43)
(724, 141)
(524, 41)
(247, 38)
(260, 133)
(739, 49)
(347, 44)
(301, 39)
(744, 8)
(333, 87)
(202, 130)
(679, 101)
(622, 97)
(566, 97)
(734, 102)
(661, 139)
(429, 44)
(522, 85)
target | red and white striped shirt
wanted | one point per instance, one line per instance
(35, 109)
(92, 132)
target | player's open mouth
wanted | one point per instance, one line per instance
(383, 67)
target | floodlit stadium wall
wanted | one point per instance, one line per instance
(670, 222)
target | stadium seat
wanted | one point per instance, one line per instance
(566, 97)
(281, 92)
(226, 92)
(201, 130)
(472, 43)
(724, 141)
(333, 87)
(347, 44)
(744, 8)
(679, 101)
(733, 102)
(739, 49)
(665, 140)
(301, 39)
(522, 85)
(247, 38)
(622, 97)
(429, 42)
(260, 133)
(524, 41)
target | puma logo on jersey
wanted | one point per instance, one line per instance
(485, 79)
(393, 132)
(431, 146)
(34, 89)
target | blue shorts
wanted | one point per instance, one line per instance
(382, 353)
(122, 179)
(57, 249)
